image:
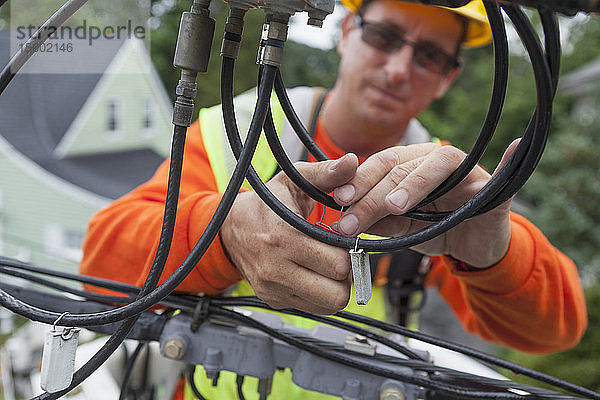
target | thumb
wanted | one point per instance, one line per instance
(327, 175)
(507, 154)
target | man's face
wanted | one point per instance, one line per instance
(390, 88)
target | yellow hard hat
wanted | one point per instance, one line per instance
(479, 32)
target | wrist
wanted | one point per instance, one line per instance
(461, 266)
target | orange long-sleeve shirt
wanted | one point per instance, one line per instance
(531, 300)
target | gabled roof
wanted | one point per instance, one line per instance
(36, 111)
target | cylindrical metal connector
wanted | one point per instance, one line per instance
(272, 43)
(183, 110)
(230, 47)
(194, 41)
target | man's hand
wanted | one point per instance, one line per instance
(393, 181)
(285, 267)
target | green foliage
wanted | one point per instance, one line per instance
(306, 66)
(563, 189)
(585, 42)
(578, 365)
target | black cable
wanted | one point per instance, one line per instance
(545, 94)
(189, 375)
(129, 369)
(90, 280)
(446, 389)
(162, 252)
(191, 260)
(36, 40)
(288, 167)
(252, 301)
(466, 211)
(483, 139)
(208, 235)
(2, 2)
(500, 46)
(64, 288)
(295, 122)
(7, 264)
(239, 381)
(552, 44)
(518, 369)
(255, 302)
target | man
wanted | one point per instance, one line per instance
(499, 274)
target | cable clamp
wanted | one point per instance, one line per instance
(200, 313)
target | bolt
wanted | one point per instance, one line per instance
(351, 390)
(174, 349)
(391, 393)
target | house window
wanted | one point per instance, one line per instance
(148, 118)
(113, 119)
(148, 114)
(64, 242)
(73, 240)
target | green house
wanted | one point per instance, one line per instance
(71, 143)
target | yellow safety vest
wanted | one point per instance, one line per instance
(223, 163)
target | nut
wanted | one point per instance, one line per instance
(391, 393)
(174, 349)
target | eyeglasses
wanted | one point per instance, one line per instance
(426, 55)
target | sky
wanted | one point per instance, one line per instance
(323, 38)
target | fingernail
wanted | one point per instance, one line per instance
(349, 224)
(399, 199)
(335, 226)
(334, 165)
(345, 193)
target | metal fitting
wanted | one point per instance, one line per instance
(315, 22)
(183, 110)
(174, 349)
(230, 47)
(186, 89)
(264, 387)
(318, 10)
(243, 4)
(277, 31)
(272, 55)
(391, 393)
(235, 21)
(195, 37)
(212, 363)
(351, 390)
(359, 344)
(392, 390)
(273, 39)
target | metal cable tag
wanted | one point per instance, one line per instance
(58, 358)
(361, 274)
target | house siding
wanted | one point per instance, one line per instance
(32, 204)
(130, 83)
